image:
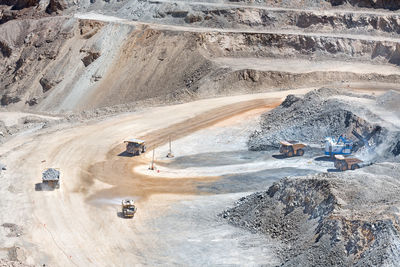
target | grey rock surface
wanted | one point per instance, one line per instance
(309, 119)
(332, 219)
(51, 174)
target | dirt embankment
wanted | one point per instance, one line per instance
(346, 219)
(153, 64)
(312, 46)
(36, 56)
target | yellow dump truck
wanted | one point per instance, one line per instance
(135, 146)
(292, 148)
(342, 163)
(128, 208)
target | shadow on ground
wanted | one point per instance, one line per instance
(43, 187)
(214, 159)
(125, 154)
(250, 182)
(324, 158)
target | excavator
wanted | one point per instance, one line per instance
(344, 146)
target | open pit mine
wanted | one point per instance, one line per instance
(199, 133)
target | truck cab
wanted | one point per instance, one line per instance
(342, 146)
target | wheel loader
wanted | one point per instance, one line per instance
(128, 208)
(292, 148)
(342, 163)
(135, 146)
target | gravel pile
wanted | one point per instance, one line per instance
(309, 119)
(51, 174)
(332, 219)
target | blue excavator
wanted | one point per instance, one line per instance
(344, 146)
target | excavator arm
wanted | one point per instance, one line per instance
(364, 141)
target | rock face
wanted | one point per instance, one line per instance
(90, 57)
(56, 5)
(20, 4)
(342, 219)
(387, 4)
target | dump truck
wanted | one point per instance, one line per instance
(51, 178)
(135, 146)
(292, 148)
(128, 208)
(342, 163)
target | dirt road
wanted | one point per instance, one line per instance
(279, 9)
(156, 26)
(78, 224)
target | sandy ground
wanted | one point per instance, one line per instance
(79, 224)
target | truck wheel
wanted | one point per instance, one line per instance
(355, 167)
(290, 154)
(300, 152)
(344, 167)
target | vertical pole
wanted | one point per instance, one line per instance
(170, 150)
(152, 161)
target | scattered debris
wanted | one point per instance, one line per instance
(15, 230)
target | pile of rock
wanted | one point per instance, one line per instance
(332, 219)
(309, 119)
(51, 175)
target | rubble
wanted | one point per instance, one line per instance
(15, 230)
(51, 174)
(329, 218)
(309, 119)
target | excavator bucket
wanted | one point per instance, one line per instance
(364, 141)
